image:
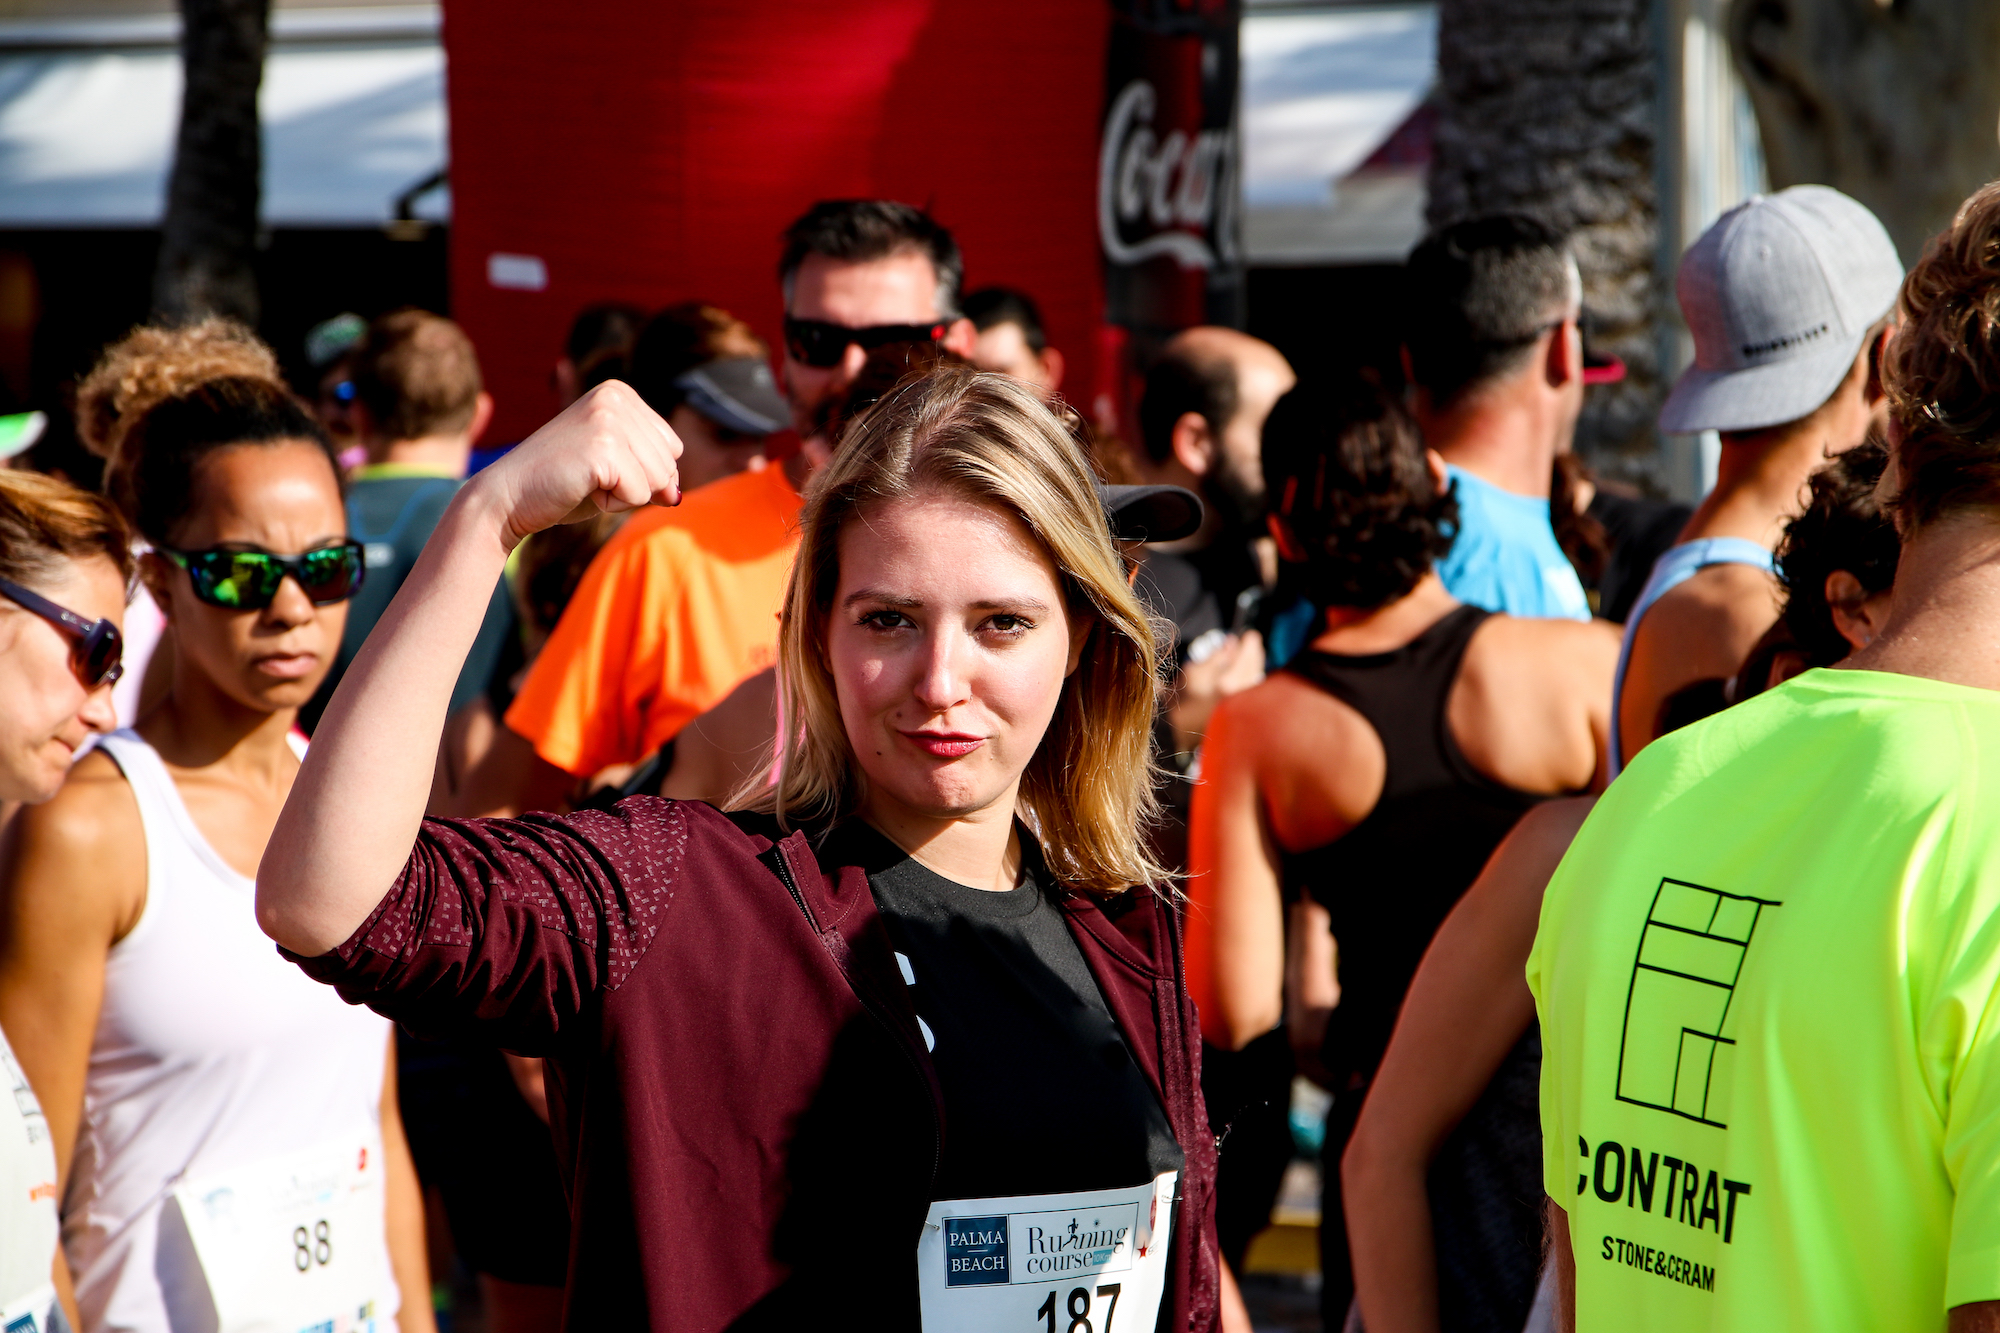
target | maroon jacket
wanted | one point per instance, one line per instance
(747, 1119)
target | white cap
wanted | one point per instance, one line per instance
(1778, 294)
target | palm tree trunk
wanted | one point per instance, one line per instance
(1892, 103)
(208, 238)
(1547, 107)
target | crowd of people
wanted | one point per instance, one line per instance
(860, 846)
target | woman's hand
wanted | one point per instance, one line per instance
(353, 814)
(607, 452)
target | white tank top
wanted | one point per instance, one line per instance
(212, 1053)
(27, 1201)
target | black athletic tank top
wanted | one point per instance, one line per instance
(1388, 885)
(1389, 882)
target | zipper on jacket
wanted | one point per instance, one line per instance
(784, 866)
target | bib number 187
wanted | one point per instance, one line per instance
(315, 1247)
(1078, 1307)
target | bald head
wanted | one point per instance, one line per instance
(1221, 350)
(1205, 404)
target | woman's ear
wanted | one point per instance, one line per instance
(1440, 474)
(157, 573)
(1081, 624)
(1858, 614)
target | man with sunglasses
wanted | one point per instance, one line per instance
(682, 605)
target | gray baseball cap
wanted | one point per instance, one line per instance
(1778, 294)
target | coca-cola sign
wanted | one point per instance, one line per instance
(1162, 194)
(1167, 177)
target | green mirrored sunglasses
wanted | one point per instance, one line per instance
(249, 580)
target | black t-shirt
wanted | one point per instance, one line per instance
(1639, 531)
(1041, 1094)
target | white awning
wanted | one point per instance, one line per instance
(352, 104)
(1322, 90)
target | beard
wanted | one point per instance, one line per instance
(1237, 489)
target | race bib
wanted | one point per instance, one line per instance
(1094, 1262)
(294, 1244)
(36, 1312)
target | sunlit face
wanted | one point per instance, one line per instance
(47, 714)
(1004, 349)
(948, 641)
(901, 289)
(281, 498)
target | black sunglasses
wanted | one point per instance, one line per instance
(818, 343)
(97, 650)
(249, 580)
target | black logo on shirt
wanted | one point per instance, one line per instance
(1702, 1201)
(1672, 1054)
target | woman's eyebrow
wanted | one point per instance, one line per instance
(902, 602)
(1030, 605)
(244, 546)
(899, 601)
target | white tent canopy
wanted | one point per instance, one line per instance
(352, 105)
(1323, 88)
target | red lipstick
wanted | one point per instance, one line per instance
(944, 744)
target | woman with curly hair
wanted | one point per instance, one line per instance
(1368, 782)
(147, 366)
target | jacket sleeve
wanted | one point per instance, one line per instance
(505, 931)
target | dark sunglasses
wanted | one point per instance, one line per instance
(818, 343)
(249, 580)
(97, 650)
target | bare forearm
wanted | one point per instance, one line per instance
(1563, 1256)
(1389, 1233)
(372, 759)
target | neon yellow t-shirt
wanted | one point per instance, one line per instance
(1767, 974)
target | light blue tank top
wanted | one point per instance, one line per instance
(1506, 557)
(1676, 566)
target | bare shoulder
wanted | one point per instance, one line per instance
(1738, 602)
(1590, 636)
(1283, 715)
(1563, 650)
(94, 805)
(82, 853)
(1315, 765)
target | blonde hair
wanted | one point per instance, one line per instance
(1088, 790)
(45, 522)
(152, 364)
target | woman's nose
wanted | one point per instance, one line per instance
(99, 713)
(941, 678)
(291, 606)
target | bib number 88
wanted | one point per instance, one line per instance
(1078, 1306)
(312, 1247)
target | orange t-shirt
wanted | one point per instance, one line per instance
(678, 609)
